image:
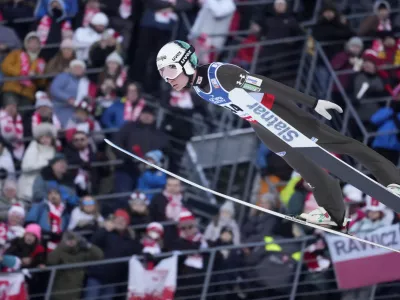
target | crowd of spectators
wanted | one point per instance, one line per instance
(80, 72)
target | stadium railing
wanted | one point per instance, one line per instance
(207, 288)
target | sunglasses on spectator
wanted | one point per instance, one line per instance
(88, 202)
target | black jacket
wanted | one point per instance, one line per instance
(113, 245)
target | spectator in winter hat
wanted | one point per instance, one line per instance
(11, 125)
(73, 248)
(80, 153)
(379, 21)
(55, 175)
(28, 248)
(37, 156)
(69, 88)
(44, 111)
(9, 198)
(152, 179)
(60, 62)
(128, 108)
(85, 37)
(225, 218)
(116, 240)
(24, 62)
(368, 83)
(137, 209)
(53, 28)
(83, 120)
(114, 69)
(153, 240)
(354, 200)
(15, 221)
(52, 216)
(348, 59)
(332, 26)
(86, 216)
(140, 137)
(377, 215)
(100, 50)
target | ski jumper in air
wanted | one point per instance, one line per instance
(178, 65)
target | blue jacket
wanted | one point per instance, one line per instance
(39, 214)
(43, 8)
(46, 180)
(261, 160)
(113, 116)
(151, 180)
(384, 118)
(63, 87)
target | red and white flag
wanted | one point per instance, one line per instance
(359, 264)
(156, 284)
(12, 287)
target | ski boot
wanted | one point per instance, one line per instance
(394, 188)
(321, 217)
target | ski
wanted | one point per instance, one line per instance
(245, 106)
(277, 214)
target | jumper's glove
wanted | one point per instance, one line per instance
(323, 106)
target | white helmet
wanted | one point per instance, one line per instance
(178, 56)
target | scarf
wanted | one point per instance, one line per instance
(85, 88)
(12, 130)
(150, 246)
(195, 260)
(384, 25)
(182, 99)
(131, 112)
(165, 16)
(45, 25)
(174, 206)
(55, 219)
(26, 66)
(88, 15)
(125, 9)
(120, 81)
(37, 119)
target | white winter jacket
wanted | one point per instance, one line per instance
(36, 157)
(78, 215)
(84, 38)
(213, 230)
(6, 162)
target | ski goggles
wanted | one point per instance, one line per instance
(170, 72)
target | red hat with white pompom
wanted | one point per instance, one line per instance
(155, 230)
(185, 215)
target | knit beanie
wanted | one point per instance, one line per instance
(35, 229)
(123, 214)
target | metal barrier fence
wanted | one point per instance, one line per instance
(249, 274)
(212, 281)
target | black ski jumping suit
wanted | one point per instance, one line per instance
(326, 189)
